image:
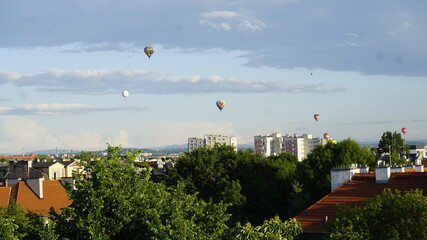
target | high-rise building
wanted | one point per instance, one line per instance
(275, 143)
(209, 140)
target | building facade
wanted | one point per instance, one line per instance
(275, 143)
(209, 140)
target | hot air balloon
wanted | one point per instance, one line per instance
(316, 117)
(326, 136)
(125, 94)
(220, 104)
(404, 130)
(149, 51)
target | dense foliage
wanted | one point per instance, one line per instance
(391, 215)
(211, 193)
(116, 202)
(273, 229)
(256, 187)
(393, 144)
(314, 172)
(16, 224)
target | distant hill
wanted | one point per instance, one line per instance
(177, 148)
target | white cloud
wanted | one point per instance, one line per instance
(228, 20)
(59, 108)
(121, 138)
(169, 133)
(20, 133)
(223, 26)
(219, 14)
(98, 47)
(138, 81)
(399, 29)
(255, 26)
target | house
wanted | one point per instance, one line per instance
(36, 195)
(51, 170)
(71, 166)
(352, 187)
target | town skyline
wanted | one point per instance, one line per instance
(275, 64)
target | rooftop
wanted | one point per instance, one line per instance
(361, 188)
(54, 195)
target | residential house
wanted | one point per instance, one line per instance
(71, 166)
(51, 170)
(352, 187)
(36, 195)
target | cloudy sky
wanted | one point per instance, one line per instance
(361, 65)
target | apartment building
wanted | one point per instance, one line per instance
(209, 140)
(275, 144)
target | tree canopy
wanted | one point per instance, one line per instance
(117, 202)
(392, 144)
(314, 172)
(257, 187)
(390, 215)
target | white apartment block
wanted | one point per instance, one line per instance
(275, 144)
(209, 140)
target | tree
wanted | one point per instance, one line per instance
(390, 215)
(257, 187)
(266, 184)
(13, 222)
(273, 229)
(392, 144)
(207, 172)
(117, 202)
(314, 171)
(16, 224)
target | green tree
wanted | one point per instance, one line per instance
(273, 229)
(207, 171)
(393, 144)
(314, 172)
(117, 202)
(266, 184)
(256, 187)
(16, 224)
(390, 215)
(13, 222)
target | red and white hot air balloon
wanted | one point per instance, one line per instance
(404, 130)
(316, 117)
(326, 136)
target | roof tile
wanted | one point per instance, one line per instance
(361, 188)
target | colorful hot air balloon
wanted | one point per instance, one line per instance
(316, 117)
(149, 51)
(125, 94)
(326, 136)
(220, 104)
(404, 130)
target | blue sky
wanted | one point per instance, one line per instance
(360, 64)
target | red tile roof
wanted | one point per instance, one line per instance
(54, 195)
(354, 193)
(19, 157)
(4, 196)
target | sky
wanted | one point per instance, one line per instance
(361, 65)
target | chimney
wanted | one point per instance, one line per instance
(382, 174)
(342, 175)
(419, 168)
(36, 184)
(396, 169)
